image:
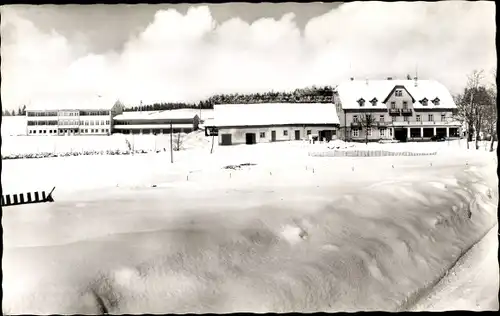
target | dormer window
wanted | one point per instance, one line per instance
(436, 101)
(374, 101)
(361, 102)
(399, 93)
(424, 101)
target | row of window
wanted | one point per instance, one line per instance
(383, 132)
(68, 113)
(74, 131)
(430, 118)
(69, 122)
(285, 133)
(393, 103)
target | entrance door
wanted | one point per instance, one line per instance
(250, 138)
(226, 139)
(273, 136)
(400, 134)
(297, 135)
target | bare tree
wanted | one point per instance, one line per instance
(178, 142)
(490, 112)
(468, 105)
(367, 121)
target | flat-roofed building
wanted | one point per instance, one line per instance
(156, 122)
(87, 116)
(273, 122)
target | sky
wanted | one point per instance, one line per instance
(185, 53)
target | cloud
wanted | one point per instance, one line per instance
(189, 57)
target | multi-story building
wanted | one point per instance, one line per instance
(93, 116)
(405, 110)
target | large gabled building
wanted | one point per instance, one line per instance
(405, 110)
(272, 122)
(82, 116)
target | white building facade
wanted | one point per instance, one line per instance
(90, 118)
(405, 110)
(274, 122)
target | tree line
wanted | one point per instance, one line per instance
(20, 111)
(305, 95)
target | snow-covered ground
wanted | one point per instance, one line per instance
(289, 233)
(13, 126)
(472, 284)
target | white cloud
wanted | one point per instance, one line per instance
(189, 57)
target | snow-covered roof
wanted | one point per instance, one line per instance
(94, 102)
(157, 115)
(351, 91)
(274, 114)
(153, 126)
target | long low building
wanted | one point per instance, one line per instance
(156, 122)
(273, 122)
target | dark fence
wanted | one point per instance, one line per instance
(27, 198)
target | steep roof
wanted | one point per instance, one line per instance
(274, 114)
(351, 91)
(93, 102)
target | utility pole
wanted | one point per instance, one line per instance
(171, 146)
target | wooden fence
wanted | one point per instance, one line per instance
(366, 153)
(27, 198)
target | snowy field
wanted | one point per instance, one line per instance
(13, 126)
(290, 232)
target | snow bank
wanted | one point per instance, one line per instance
(314, 235)
(13, 125)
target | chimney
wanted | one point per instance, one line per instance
(416, 81)
(389, 78)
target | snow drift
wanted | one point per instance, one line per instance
(337, 240)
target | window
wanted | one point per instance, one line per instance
(355, 118)
(424, 102)
(361, 102)
(102, 122)
(405, 118)
(393, 105)
(285, 133)
(382, 132)
(355, 132)
(86, 122)
(382, 118)
(107, 131)
(45, 131)
(374, 101)
(431, 117)
(418, 118)
(91, 122)
(443, 117)
(30, 131)
(262, 135)
(394, 118)
(399, 93)
(436, 101)
(369, 131)
(107, 122)
(390, 132)
(405, 104)
(308, 132)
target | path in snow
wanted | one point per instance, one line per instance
(472, 284)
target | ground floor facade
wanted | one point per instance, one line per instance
(68, 131)
(401, 133)
(237, 135)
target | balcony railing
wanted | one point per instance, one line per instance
(394, 112)
(383, 123)
(356, 124)
(407, 111)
